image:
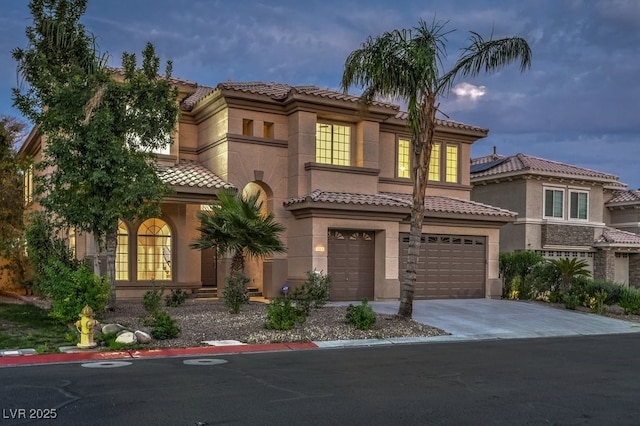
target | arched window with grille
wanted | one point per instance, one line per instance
(154, 250)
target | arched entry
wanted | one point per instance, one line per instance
(254, 267)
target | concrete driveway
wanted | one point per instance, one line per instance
(476, 319)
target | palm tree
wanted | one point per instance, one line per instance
(407, 65)
(236, 225)
(569, 268)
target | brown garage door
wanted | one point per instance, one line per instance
(449, 266)
(350, 257)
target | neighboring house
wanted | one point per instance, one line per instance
(563, 211)
(338, 178)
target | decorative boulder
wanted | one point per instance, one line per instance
(112, 328)
(126, 338)
(142, 336)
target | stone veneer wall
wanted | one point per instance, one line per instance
(604, 265)
(634, 270)
(567, 235)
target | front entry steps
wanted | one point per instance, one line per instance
(212, 292)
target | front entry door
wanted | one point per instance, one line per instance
(351, 264)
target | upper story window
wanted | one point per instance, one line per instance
(554, 203)
(443, 164)
(28, 185)
(578, 205)
(434, 162)
(333, 144)
(451, 174)
(404, 164)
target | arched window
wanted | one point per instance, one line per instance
(154, 250)
(122, 253)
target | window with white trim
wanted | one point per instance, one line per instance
(578, 205)
(554, 203)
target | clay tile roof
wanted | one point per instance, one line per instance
(440, 204)
(190, 174)
(521, 163)
(349, 198)
(617, 236)
(434, 204)
(200, 93)
(280, 91)
(403, 115)
(627, 196)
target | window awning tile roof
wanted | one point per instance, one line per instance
(613, 236)
(191, 174)
(434, 204)
(625, 197)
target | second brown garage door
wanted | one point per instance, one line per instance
(449, 266)
(350, 257)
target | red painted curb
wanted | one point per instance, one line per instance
(150, 353)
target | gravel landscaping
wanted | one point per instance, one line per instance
(201, 320)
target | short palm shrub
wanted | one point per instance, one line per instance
(569, 268)
(235, 293)
(283, 315)
(361, 316)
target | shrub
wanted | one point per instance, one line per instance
(629, 300)
(152, 298)
(514, 268)
(571, 301)
(314, 292)
(282, 315)
(612, 289)
(164, 327)
(176, 298)
(361, 316)
(71, 289)
(235, 293)
(545, 279)
(596, 302)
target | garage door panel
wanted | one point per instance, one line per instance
(449, 266)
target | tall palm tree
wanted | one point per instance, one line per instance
(236, 225)
(407, 65)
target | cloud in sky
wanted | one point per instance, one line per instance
(578, 103)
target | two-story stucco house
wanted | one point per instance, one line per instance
(336, 175)
(563, 211)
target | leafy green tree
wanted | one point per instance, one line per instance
(11, 202)
(11, 198)
(101, 125)
(408, 65)
(570, 268)
(236, 225)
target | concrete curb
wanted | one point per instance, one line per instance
(27, 359)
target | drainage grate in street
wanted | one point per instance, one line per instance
(205, 361)
(106, 364)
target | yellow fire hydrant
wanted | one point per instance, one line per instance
(85, 326)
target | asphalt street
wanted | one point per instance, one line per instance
(562, 381)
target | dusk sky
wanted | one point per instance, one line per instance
(579, 103)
